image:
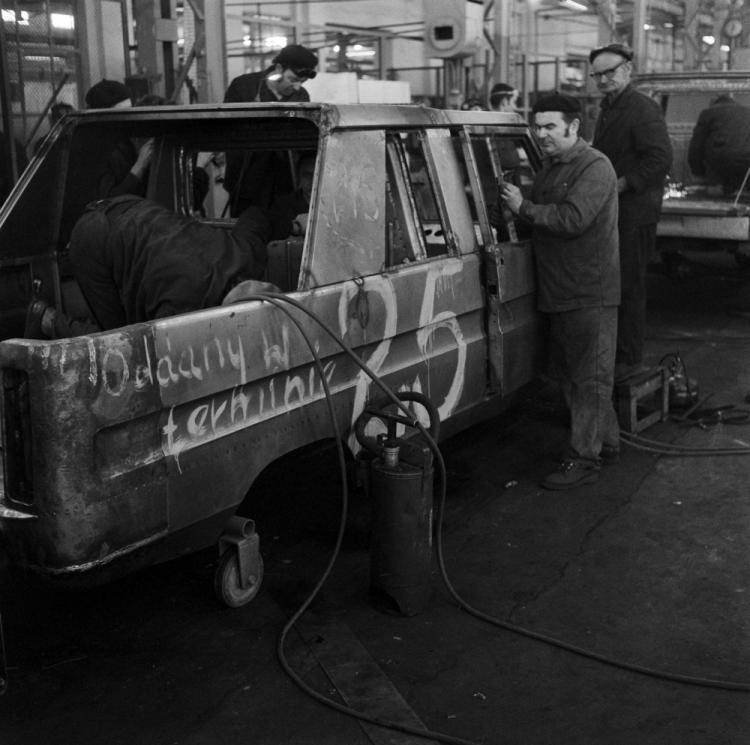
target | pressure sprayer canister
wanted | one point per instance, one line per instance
(401, 545)
(400, 478)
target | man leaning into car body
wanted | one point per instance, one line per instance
(572, 211)
(136, 261)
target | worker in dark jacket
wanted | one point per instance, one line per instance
(137, 261)
(259, 178)
(719, 149)
(632, 133)
(572, 211)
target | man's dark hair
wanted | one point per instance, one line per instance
(499, 93)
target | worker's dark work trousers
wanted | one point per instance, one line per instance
(584, 341)
(93, 265)
(637, 243)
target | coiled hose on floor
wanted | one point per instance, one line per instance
(282, 302)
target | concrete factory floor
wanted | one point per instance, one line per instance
(648, 567)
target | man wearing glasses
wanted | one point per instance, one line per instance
(632, 133)
(258, 178)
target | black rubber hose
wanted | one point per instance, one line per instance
(278, 299)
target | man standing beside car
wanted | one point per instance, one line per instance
(632, 133)
(572, 212)
(258, 178)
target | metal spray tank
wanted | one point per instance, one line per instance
(400, 484)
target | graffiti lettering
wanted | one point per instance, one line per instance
(116, 370)
(192, 363)
(190, 426)
(242, 403)
(439, 280)
(429, 323)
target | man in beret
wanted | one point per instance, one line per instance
(108, 94)
(258, 178)
(631, 132)
(572, 211)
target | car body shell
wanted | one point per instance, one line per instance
(137, 444)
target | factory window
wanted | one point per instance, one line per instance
(40, 47)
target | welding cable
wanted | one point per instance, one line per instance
(702, 338)
(674, 677)
(644, 670)
(669, 449)
(275, 299)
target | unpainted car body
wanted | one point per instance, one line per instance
(137, 444)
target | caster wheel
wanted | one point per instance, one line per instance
(227, 581)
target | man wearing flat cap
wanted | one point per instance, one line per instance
(631, 132)
(108, 94)
(258, 178)
(572, 211)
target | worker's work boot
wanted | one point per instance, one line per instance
(570, 474)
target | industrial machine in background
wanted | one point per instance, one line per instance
(697, 216)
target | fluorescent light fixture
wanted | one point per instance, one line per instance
(359, 52)
(274, 42)
(63, 21)
(573, 5)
